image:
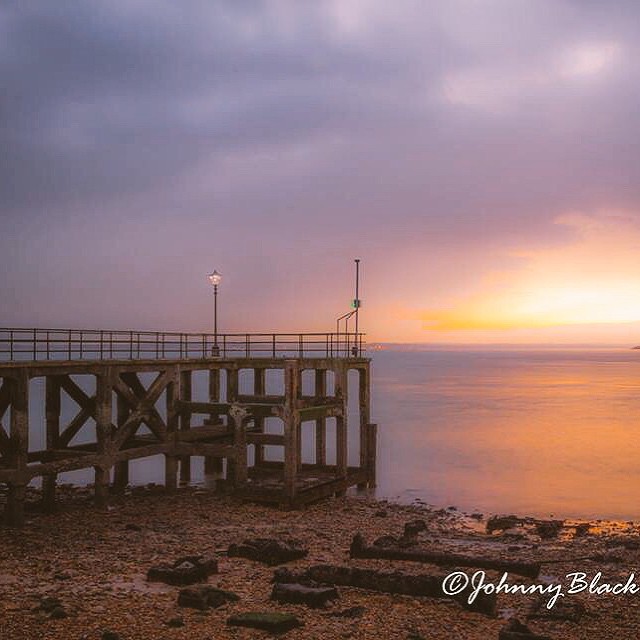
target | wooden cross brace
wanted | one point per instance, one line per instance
(141, 402)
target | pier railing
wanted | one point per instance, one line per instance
(20, 345)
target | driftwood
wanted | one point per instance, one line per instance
(423, 584)
(359, 549)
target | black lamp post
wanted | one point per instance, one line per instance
(215, 278)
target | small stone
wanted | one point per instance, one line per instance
(270, 551)
(413, 528)
(110, 635)
(132, 526)
(58, 613)
(62, 575)
(381, 513)
(205, 597)
(175, 622)
(184, 571)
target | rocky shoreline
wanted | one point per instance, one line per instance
(348, 567)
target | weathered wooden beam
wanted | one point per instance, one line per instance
(19, 447)
(292, 381)
(121, 470)
(206, 449)
(232, 397)
(189, 407)
(321, 422)
(367, 457)
(341, 392)
(185, 422)
(152, 417)
(143, 410)
(174, 389)
(52, 416)
(261, 439)
(238, 416)
(259, 390)
(205, 433)
(5, 396)
(104, 434)
(75, 392)
(316, 413)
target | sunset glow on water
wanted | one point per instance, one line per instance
(535, 432)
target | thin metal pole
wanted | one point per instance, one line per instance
(215, 315)
(357, 299)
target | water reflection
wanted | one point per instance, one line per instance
(533, 432)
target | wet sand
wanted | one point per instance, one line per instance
(95, 563)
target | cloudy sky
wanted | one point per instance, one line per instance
(481, 157)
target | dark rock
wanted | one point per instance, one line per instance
(477, 516)
(270, 621)
(630, 544)
(381, 513)
(57, 613)
(515, 630)
(132, 526)
(62, 575)
(184, 571)
(301, 594)
(382, 541)
(548, 529)
(204, 597)
(497, 523)
(582, 529)
(110, 635)
(48, 604)
(175, 622)
(414, 527)
(269, 550)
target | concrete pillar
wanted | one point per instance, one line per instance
(364, 410)
(52, 416)
(321, 423)
(104, 407)
(232, 396)
(238, 417)
(213, 466)
(19, 441)
(341, 421)
(259, 389)
(173, 393)
(185, 424)
(121, 471)
(291, 427)
(101, 487)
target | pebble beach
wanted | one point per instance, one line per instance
(93, 565)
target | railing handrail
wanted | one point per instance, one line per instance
(109, 344)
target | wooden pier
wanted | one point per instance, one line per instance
(142, 405)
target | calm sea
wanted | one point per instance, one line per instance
(536, 432)
(533, 432)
